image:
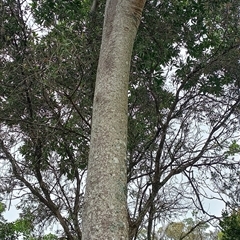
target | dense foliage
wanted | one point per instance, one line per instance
(230, 225)
(21, 228)
(183, 109)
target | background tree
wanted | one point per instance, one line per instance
(230, 226)
(189, 229)
(183, 109)
(19, 229)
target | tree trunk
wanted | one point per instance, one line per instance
(105, 208)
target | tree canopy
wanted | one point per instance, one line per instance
(183, 109)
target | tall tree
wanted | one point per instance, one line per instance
(105, 206)
(182, 110)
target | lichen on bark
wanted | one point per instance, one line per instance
(105, 208)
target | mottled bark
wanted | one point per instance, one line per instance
(105, 210)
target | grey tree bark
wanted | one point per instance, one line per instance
(105, 208)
